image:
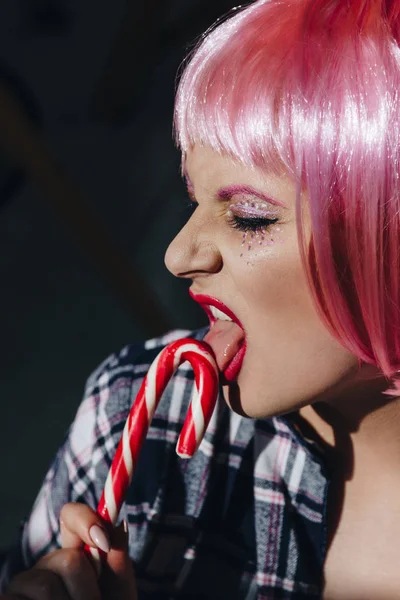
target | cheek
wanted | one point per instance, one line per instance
(291, 357)
(253, 243)
(270, 274)
(278, 308)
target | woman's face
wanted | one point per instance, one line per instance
(240, 249)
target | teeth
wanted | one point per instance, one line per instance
(217, 314)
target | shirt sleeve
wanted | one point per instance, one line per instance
(80, 467)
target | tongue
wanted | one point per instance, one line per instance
(225, 338)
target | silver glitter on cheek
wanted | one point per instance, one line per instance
(261, 238)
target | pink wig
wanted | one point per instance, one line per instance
(313, 86)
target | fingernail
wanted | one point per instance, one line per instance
(100, 538)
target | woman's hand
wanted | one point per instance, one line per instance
(69, 574)
(61, 575)
(80, 524)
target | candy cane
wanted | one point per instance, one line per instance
(198, 416)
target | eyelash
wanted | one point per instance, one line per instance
(251, 224)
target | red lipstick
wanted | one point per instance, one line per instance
(206, 301)
(226, 337)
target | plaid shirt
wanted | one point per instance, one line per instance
(243, 519)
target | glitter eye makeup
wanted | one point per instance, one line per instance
(260, 224)
(249, 209)
(253, 216)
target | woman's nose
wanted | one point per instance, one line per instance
(193, 252)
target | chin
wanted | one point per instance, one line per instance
(236, 400)
(262, 407)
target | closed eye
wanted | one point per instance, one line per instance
(251, 224)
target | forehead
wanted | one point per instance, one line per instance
(208, 170)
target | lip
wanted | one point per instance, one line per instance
(206, 301)
(232, 370)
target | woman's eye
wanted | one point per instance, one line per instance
(251, 223)
(251, 216)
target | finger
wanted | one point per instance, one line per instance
(76, 572)
(36, 584)
(80, 524)
(118, 578)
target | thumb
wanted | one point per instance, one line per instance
(118, 578)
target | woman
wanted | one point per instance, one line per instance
(288, 117)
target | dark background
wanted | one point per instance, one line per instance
(90, 195)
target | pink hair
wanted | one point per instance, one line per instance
(314, 86)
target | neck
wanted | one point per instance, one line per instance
(360, 432)
(361, 422)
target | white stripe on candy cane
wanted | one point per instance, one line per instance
(126, 448)
(150, 389)
(110, 500)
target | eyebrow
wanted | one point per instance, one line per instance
(226, 193)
